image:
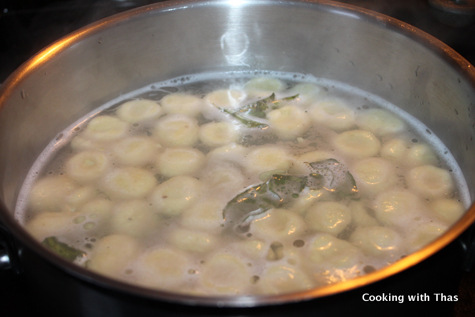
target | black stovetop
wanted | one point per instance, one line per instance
(27, 26)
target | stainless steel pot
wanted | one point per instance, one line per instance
(369, 51)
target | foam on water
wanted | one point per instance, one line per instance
(217, 79)
(204, 83)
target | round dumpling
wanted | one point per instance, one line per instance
(333, 113)
(128, 183)
(254, 249)
(360, 214)
(328, 216)
(192, 240)
(307, 92)
(420, 154)
(374, 175)
(380, 121)
(177, 130)
(163, 268)
(395, 149)
(182, 103)
(331, 259)
(48, 224)
(225, 98)
(430, 181)
(327, 250)
(214, 134)
(95, 214)
(278, 225)
(205, 215)
(263, 86)
(424, 234)
(227, 179)
(173, 196)
(267, 158)
(225, 274)
(399, 208)
(288, 122)
(139, 110)
(357, 144)
(378, 241)
(79, 197)
(47, 194)
(230, 153)
(135, 151)
(135, 218)
(446, 209)
(87, 166)
(113, 254)
(282, 279)
(180, 161)
(106, 128)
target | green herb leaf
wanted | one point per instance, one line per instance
(286, 186)
(253, 202)
(62, 249)
(281, 190)
(290, 97)
(259, 108)
(250, 114)
(334, 177)
(244, 120)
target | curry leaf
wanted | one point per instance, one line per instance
(253, 202)
(244, 120)
(281, 190)
(251, 115)
(62, 249)
(290, 97)
(259, 108)
(334, 177)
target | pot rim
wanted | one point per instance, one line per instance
(465, 69)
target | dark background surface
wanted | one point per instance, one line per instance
(27, 26)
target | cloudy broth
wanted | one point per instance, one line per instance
(288, 181)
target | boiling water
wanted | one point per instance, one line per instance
(277, 256)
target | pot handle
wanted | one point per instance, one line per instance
(9, 259)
